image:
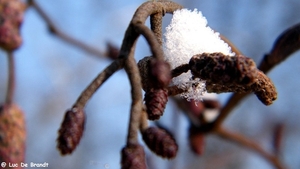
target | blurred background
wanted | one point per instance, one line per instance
(52, 73)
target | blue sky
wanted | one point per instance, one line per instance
(51, 74)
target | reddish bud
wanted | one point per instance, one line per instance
(160, 142)
(12, 135)
(112, 51)
(71, 130)
(133, 157)
(161, 73)
(197, 141)
(156, 100)
(277, 137)
(196, 108)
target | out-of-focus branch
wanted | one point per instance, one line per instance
(286, 44)
(67, 38)
(11, 78)
(243, 141)
(278, 133)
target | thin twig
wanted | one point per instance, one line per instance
(98, 81)
(149, 8)
(156, 26)
(131, 35)
(136, 96)
(144, 119)
(55, 30)
(243, 141)
(175, 90)
(156, 48)
(180, 69)
(285, 45)
(231, 103)
(155, 10)
(11, 79)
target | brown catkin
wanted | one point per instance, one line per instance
(222, 69)
(161, 73)
(161, 142)
(71, 130)
(154, 73)
(156, 100)
(12, 135)
(233, 74)
(133, 157)
(144, 68)
(264, 89)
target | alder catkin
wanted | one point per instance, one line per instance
(161, 73)
(12, 134)
(133, 157)
(160, 142)
(156, 100)
(154, 73)
(71, 130)
(222, 69)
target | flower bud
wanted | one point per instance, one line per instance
(133, 157)
(161, 73)
(154, 73)
(160, 142)
(112, 51)
(12, 134)
(71, 130)
(144, 68)
(196, 141)
(156, 100)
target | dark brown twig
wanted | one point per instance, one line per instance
(180, 69)
(243, 141)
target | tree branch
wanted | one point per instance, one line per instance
(243, 141)
(67, 38)
(11, 79)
